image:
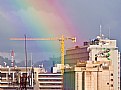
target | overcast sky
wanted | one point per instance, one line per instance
(84, 15)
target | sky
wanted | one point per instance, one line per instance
(53, 18)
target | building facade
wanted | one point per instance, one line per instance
(97, 50)
(90, 75)
(106, 48)
(76, 54)
(50, 81)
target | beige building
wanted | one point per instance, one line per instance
(97, 50)
(90, 76)
(106, 48)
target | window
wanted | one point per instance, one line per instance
(111, 85)
(111, 79)
(111, 74)
(107, 83)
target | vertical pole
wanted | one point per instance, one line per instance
(62, 59)
(13, 77)
(12, 58)
(109, 33)
(26, 62)
(62, 55)
(100, 31)
(31, 60)
(32, 79)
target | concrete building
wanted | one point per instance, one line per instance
(90, 75)
(97, 49)
(10, 79)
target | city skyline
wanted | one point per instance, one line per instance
(45, 19)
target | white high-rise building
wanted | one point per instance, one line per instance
(99, 49)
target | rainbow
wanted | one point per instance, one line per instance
(39, 18)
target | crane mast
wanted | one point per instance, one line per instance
(62, 54)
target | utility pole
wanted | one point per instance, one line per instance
(26, 62)
(31, 60)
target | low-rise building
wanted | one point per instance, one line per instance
(12, 78)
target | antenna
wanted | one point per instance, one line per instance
(100, 31)
(31, 60)
(53, 63)
(12, 58)
(26, 62)
(109, 33)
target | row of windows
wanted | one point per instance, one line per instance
(50, 88)
(50, 80)
(50, 84)
(48, 76)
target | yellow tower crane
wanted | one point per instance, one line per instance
(62, 40)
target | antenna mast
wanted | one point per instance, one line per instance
(26, 63)
(31, 60)
(109, 33)
(100, 31)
